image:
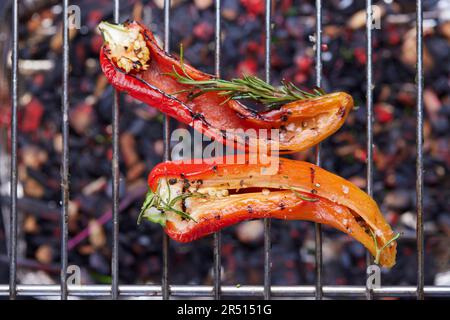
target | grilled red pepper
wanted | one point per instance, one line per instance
(133, 62)
(194, 200)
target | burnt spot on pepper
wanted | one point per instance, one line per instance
(214, 168)
(282, 205)
(312, 173)
(249, 209)
(198, 116)
(284, 118)
(186, 183)
(341, 112)
(172, 181)
(223, 133)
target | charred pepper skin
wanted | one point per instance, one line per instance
(302, 123)
(319, 196)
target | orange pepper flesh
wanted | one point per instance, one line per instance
(337, 202)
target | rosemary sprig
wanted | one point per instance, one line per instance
(247, 87)
(154, 200)
(380, 250)
(301, 196)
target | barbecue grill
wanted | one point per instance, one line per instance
(166, 290)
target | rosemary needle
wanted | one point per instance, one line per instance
(247, 87)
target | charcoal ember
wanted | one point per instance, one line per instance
(73, 217)
(230, 9)
(204, 31)
(137, 127)
(30, 225)
(97, 235)
(203, 4)
(92, 206)
(441, 124)
(81, 118)
(103, 107)
(409, 54)
(250, 232)
(136, 171)
(32, 115)
(160, 3)
(360, 182)
(128, 149)
(444, 222)
(44, 254)
(33, 156)
(99, 263)
(439, 50)
(33, 188)
(398, 200)
(253, 7)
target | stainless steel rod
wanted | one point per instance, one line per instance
(267, 222)
(419, 161)
(166, 134)
(14, 105)
(369, 106)
(115, 182)
(217, 235)
(65, 152)
(317, 226)
(243, 291)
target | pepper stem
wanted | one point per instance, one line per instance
(127, 47)
(113, 33)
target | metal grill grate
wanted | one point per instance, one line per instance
(165, 290)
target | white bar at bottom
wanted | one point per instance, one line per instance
(207, 291)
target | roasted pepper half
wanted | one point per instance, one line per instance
(133, 62)
(194, 200)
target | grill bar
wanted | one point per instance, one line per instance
(14, 104)
(317, 226)
(217, 235)
(115, 183)
(166, 134)
(267, 223)
(369, 106)
(65, 152)
(419, 162)
(243, 291)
